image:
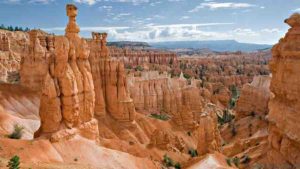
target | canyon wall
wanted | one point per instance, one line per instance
(35, 60)
(158, 93)
(134, 57)
(254, 98)
(284, 135)
(12, 46)
(110, 82)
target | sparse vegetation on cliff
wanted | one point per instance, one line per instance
(226, 118)
(139, 68)
(234, 96)
(235, 161)
(17, 133)
(168, 162)
(14, 162)
(193, 153)
(163, 117)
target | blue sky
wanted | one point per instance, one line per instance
(253, 21)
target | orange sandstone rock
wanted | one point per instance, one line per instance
(254, 98)
(284, 107)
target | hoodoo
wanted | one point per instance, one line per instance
(73, 102)
(68, 97)
(284, 106)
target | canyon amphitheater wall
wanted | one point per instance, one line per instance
(134, 57)
(284, 106)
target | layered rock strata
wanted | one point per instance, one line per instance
(134, 57)
(284, 137)
(67, 94)
(12, 45)
(109, 78)
(35, 60)
(254, 98)
(158, 93)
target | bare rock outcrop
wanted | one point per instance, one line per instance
(36, 57)
(135, 57)
(67, 92)
(159, 93)
(254, 98)
(165, 140)
(284, 137)
(12, 45)
(209, 139)
(109, 78)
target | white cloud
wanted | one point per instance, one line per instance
(107, 8)
(245, 32)
(134, 2)
(182, 32)
(273, 30)
(12, 1)
(89, 2)
(296, 10)
(184, 17)
(221, 5)
(41, 1)
(96, 28)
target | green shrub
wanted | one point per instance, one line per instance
(168, 162)
(228, 161)
(236, 161)
(187, 76)
(226, 118)
(139, 68)
(14, 162)
(17, 133)
(177, 166)
(193, 153)
(128, 67)
(245, 159)
(163, 117)
(235, 94)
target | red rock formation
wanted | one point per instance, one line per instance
(284, 138)
(111, 86)
(135, 57)
(254, 98)
(12, 45)
(209, 139)
(4, 43)
(165, 140)
(68, 98)
(36, 57)
(161, 94)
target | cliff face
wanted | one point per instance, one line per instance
(254, 98)
(110, 80)
(209, 138)
(134, 57)
(158, 93)
(12, 45)
(284, 107)
(36, 57)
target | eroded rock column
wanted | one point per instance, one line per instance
(284, 138)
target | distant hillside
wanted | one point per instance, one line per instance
(217, 45)
(122, 44)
